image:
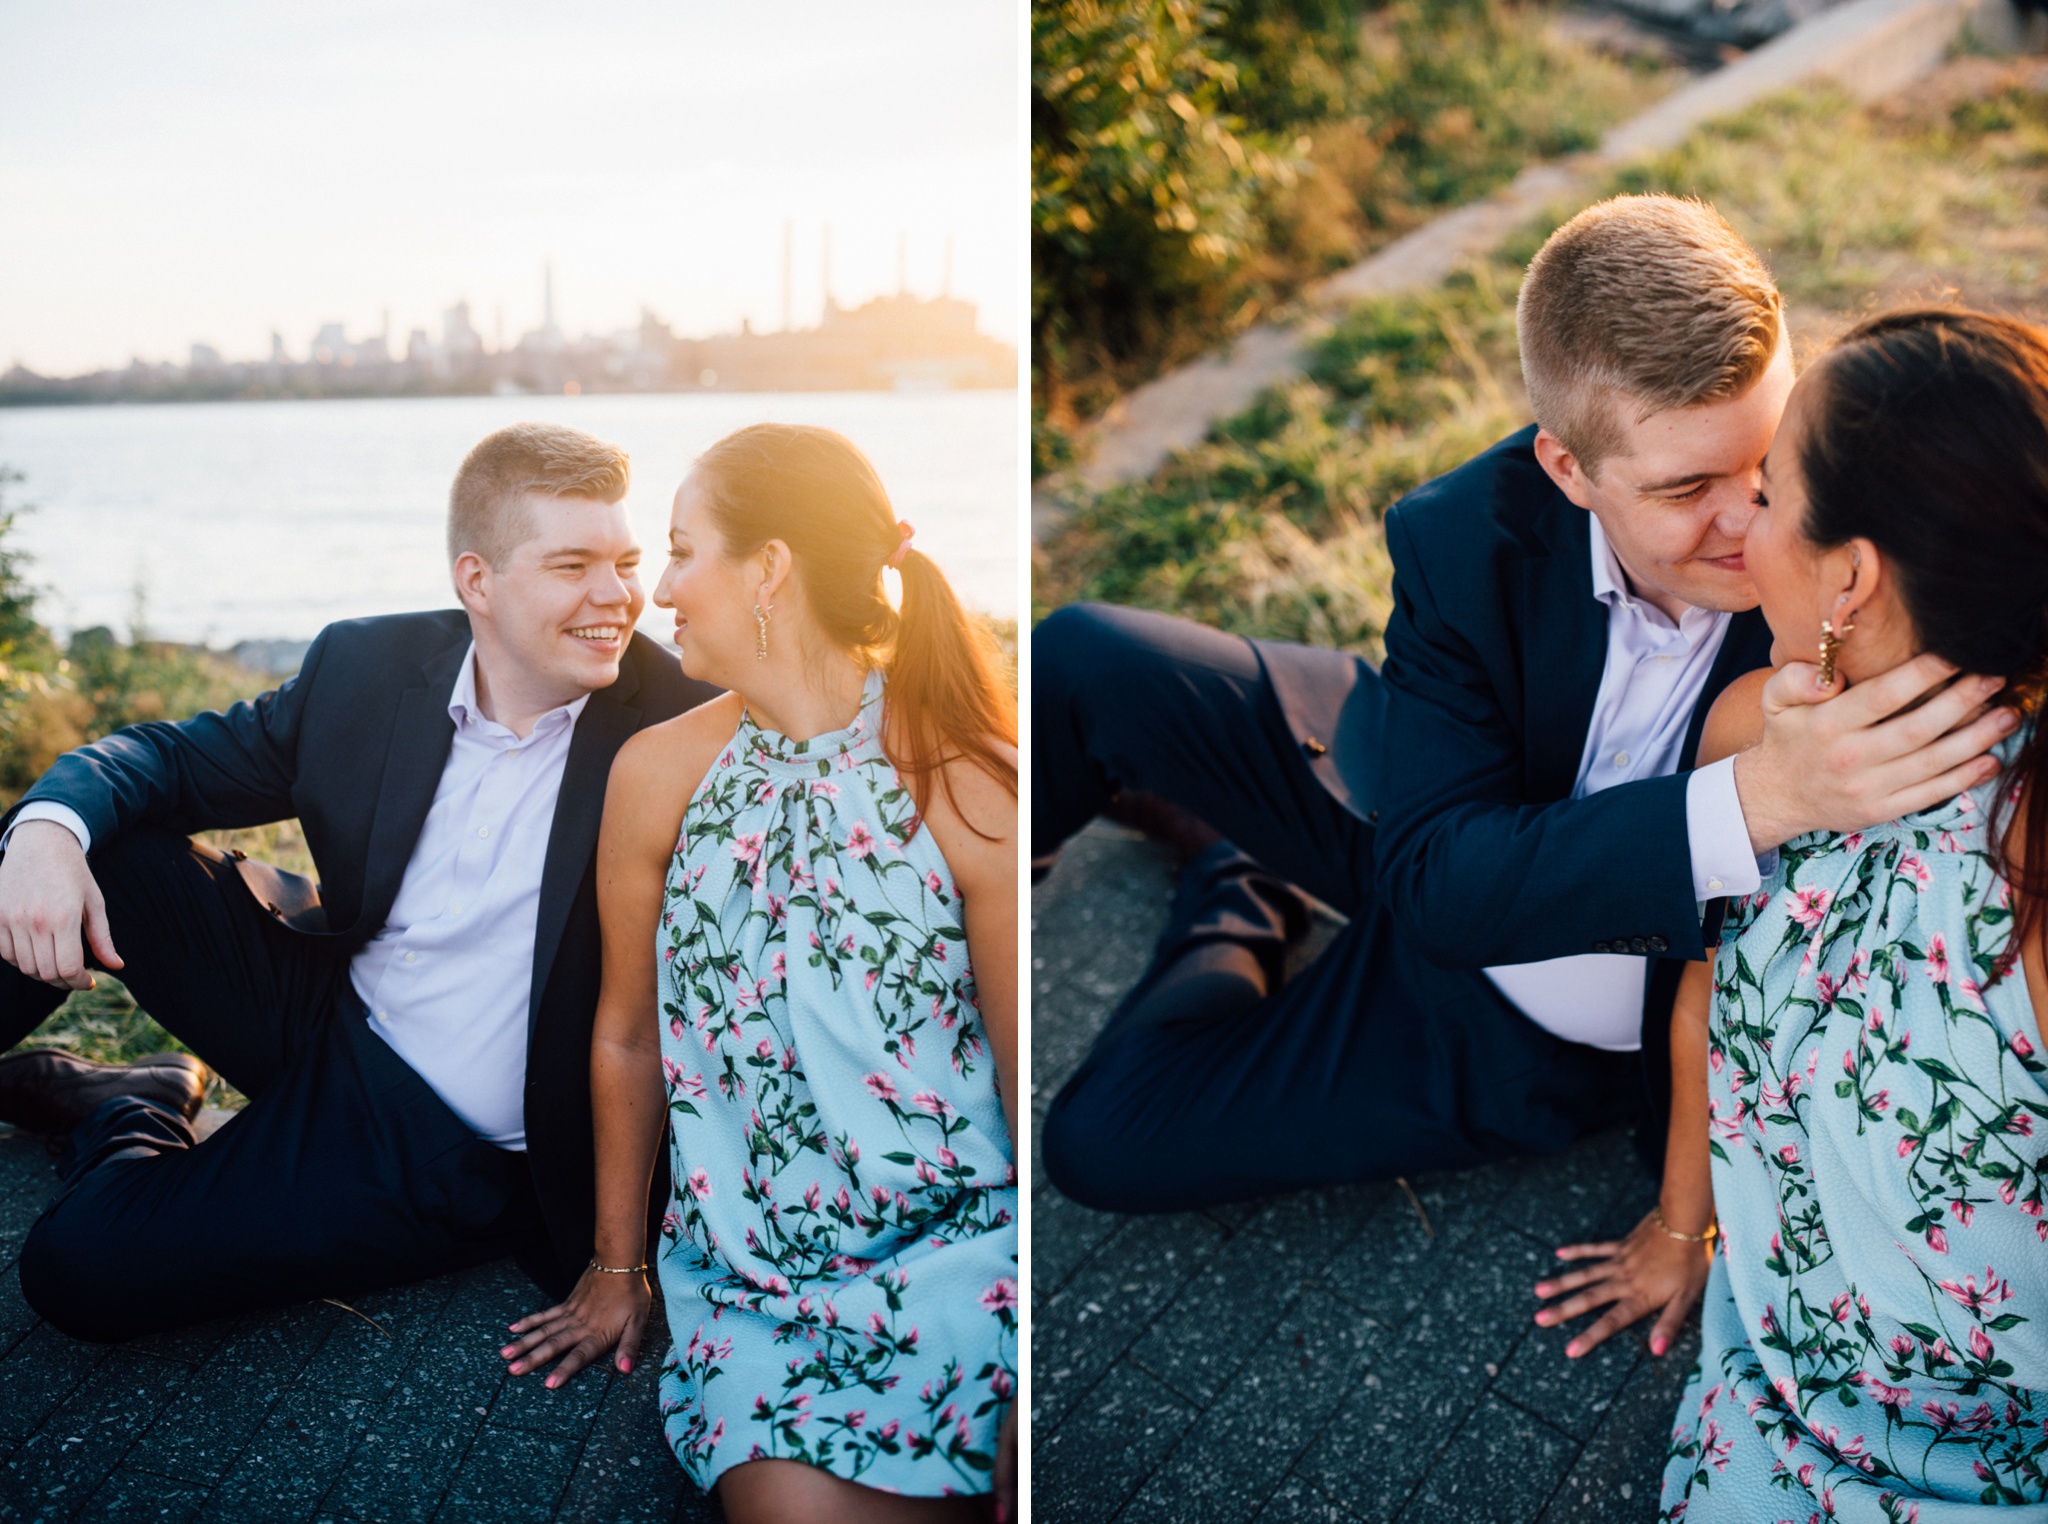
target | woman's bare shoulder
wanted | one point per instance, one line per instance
(972, 815)
(664, 763)
(1736, 722)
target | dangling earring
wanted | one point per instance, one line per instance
(1831, 646)
(761, 630)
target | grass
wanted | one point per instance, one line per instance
(1271, 526)
(1423, 105)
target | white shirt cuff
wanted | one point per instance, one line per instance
(42, 809)
(1722, 862)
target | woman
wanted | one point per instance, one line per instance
(787, 876)
(1858, 1070)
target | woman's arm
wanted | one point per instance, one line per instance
(651, 783)
(974, 822)
(1664, 1264)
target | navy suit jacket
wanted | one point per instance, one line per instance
(354, 746)
(1466, 764)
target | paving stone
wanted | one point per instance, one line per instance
(1087, 1468)
(1572, 1395)
(1595, 1189)
(292, 1461)
(42, 1370)
(1386, 1437)
(51, 1474)
(1618, 1475)
(361, 1360)
(27, 1177)
(1397, 1257)
(189, 1346)
(1063, 1235)
(627, 1474)
(1108, 1304)
(1498, 1470)
(523, 1402)
(227, 1401)
(16, 1317)
(510, 1476)
(139, 1497)
(1300, 1502)
(1223, 1314)
(1240, 1450)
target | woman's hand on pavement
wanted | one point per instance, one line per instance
(604, 1313)
(1649, 1271)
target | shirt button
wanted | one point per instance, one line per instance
(483, 830)
(1621, 759)
(1716, 885)
(456, 908)
(385, 1017)
(412, 957)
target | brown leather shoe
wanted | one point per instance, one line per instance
(48, 1090)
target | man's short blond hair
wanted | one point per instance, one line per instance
(1643, 303)
(487, 510)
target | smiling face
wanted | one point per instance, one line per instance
(712, 594)
(553, 618)
(1676, 498)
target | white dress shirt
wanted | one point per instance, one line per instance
(1655, 673)
(448, 979)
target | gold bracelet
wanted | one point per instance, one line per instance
(1706, 1236)
(612, 1270)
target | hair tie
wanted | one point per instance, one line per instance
(904, 528)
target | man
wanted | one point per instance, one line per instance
(1506, 811)
(414, 1033)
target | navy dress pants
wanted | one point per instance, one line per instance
(1213, 1080)
(345, 1172)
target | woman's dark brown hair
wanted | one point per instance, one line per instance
(1930, 439)
(814, 491)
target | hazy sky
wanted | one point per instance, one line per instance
(213, 170)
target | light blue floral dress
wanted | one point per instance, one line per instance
(1875, 1332)
(839, 1260)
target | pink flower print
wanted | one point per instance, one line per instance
(1001, 1383)
(932, 1102)
(1980, 1344)
(779, 969)
(1809, 907)
(1907, 1145)
(2021, 1124)
(1839, 1307)
(1902, 1349)
(860, 841)
(675, 1026)
(876, 1325)
(2007, 1192)
(765, 1048)
(778, 909)
(1789, 1154)
(1937, 959)
(1911, 867)
(1882, 1101)
(824, 789)
(880, 1086)
(692, 1085)
(1938, 1240)
(926, 1173)
(844, 1200)
(672, 1072)
(1715, 1060)
(939, 951)
(1962, 1211)
(947, 1158)
(788, 1059)
(934, 883)
(888, 1430)
(2021, 1046)
(881, 1195)
(1825, 989)
(1889, 1396)
(700, 1184)
(846, 944)
(764, 791)
(1806, 1475)
(811, 1198)
(831, 886)
(1941, 1354)
(1858, 971)
(1001, 1297)
(872, 976)
(906, 1049)
(746, 846)
(831, 1314)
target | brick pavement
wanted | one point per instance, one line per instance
(313, 1414)
(1316, 1357)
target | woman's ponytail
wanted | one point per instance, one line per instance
(949, 700)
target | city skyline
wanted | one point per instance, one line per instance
(173, 190)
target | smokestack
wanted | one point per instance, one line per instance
(788, 269)
(946, 288)
(825, 264)
(902, 261)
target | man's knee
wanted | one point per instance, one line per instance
(67, 1278)
(1087, 1160)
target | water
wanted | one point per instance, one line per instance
(259, 520)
